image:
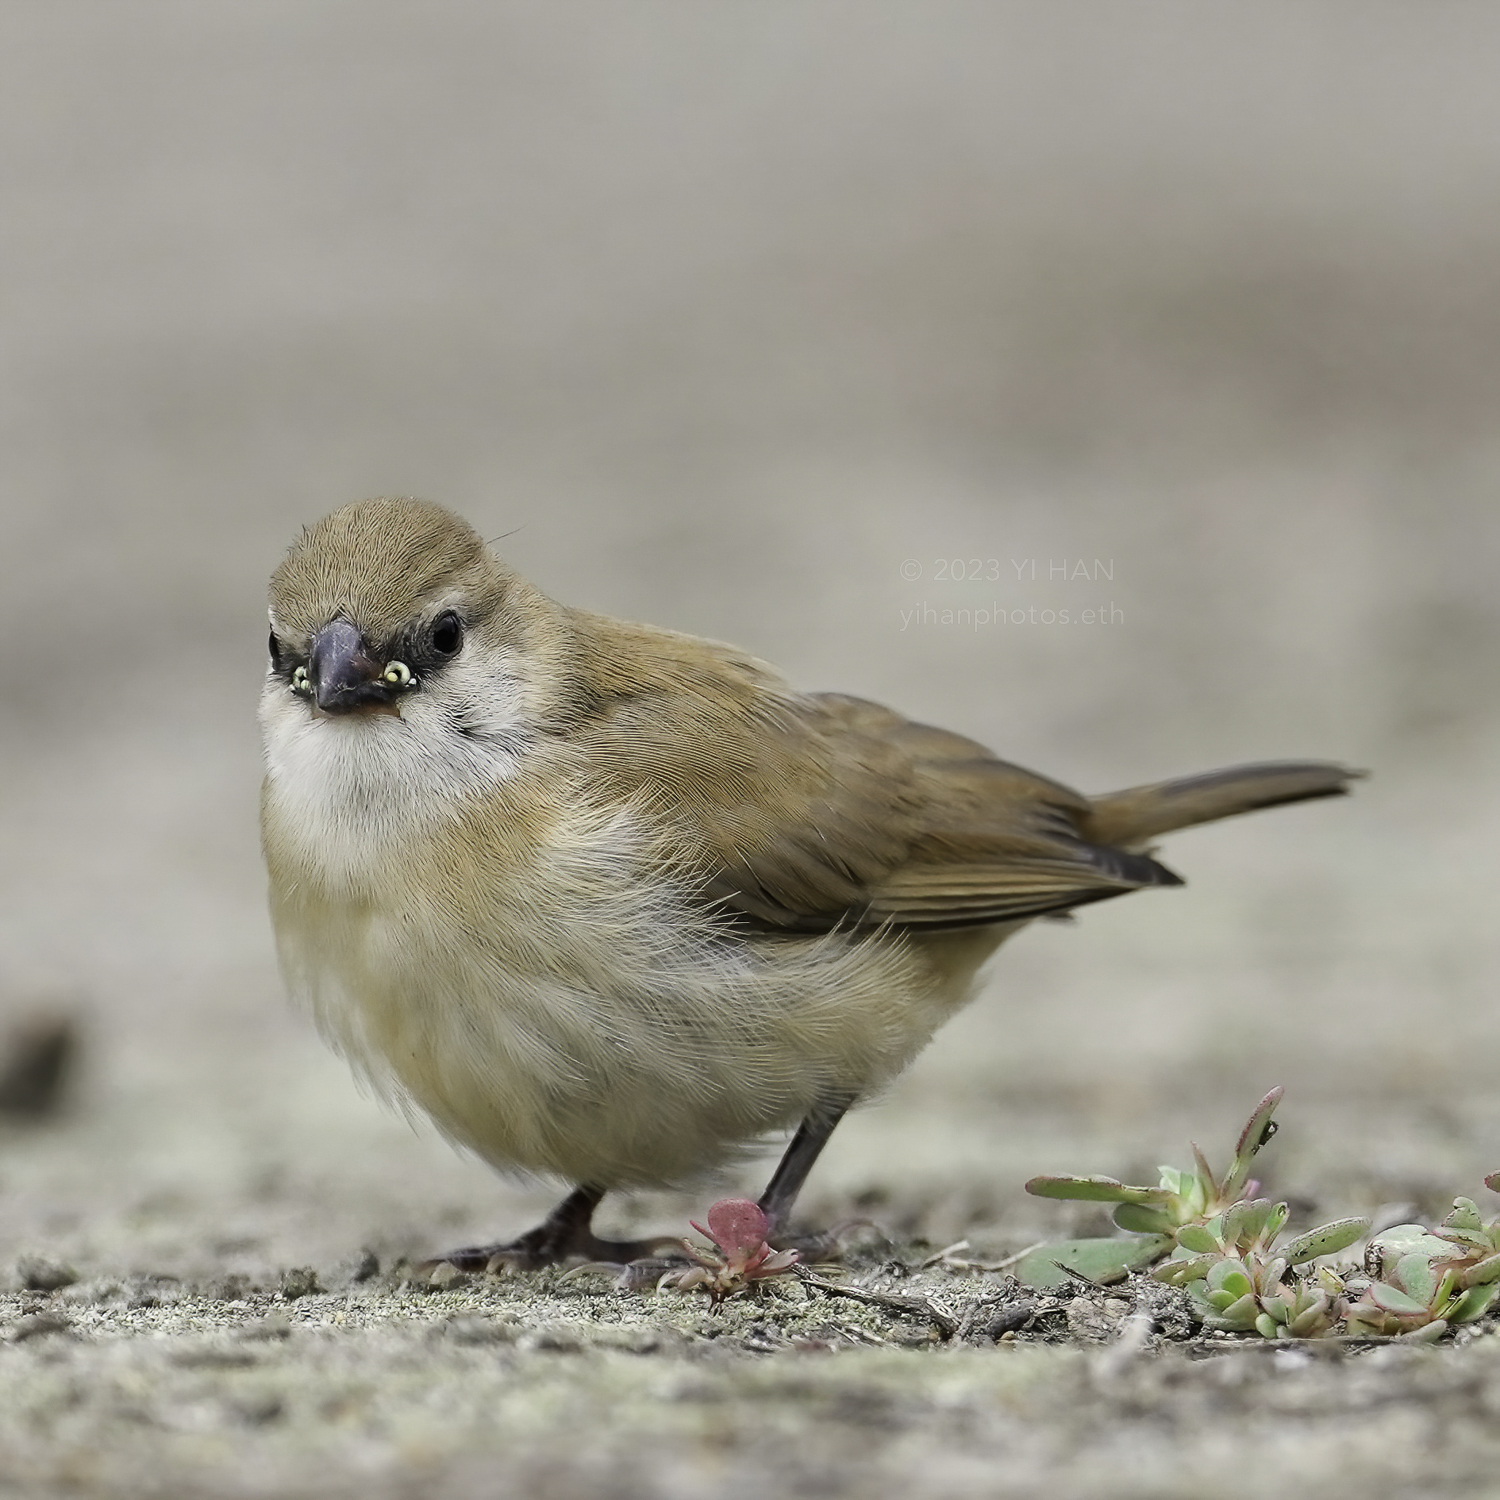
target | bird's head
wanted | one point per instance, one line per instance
(395, 608)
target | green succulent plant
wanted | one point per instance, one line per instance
(1425, 1281)
(1181, 1197)
(1213, 1237)
(1238, 1279)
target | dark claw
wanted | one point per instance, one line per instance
(564, 1237)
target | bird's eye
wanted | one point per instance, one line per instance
(447, 633)
(275, 649)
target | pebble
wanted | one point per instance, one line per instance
(38, 1324)
(39, 1274)
(300, 1281)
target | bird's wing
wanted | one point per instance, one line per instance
(809, 813)
(881, 820)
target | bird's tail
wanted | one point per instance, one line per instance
(1128, 818)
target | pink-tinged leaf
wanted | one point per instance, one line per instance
(1483, 1274)
(749, 1264)
(685, 1281)
(737, 1226)
(703, 1257)
(1257, 1131)
(1206, 1179)
(1416, 1275)
(782, 1260)
(1493, 1182)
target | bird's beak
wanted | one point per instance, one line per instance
(345, 677)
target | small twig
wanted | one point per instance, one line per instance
(1079, 1279)
(864, 1336)
(945, 1323)
(979, 1265)
(932, 1260)
(1009, 1260)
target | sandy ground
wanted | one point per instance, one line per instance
(751, 321)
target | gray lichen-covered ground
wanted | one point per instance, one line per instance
(254, 1331)
(354, 1382)
(753, 321)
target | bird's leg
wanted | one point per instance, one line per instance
(791, 1171)
(566, 1234)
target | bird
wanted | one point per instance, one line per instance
(615, 905)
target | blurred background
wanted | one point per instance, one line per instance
(753, 320)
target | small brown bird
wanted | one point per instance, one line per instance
(611, 903)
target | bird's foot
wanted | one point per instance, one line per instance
(564, 1237)
(540, 1247)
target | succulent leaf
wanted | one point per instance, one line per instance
(1395, 1244)
(1102, 1261)
(1326, 1239)
(1096, 1190)
(1180, 1272)
(1414, 1273)
(1229, 1275)
(1316, 1318)
(1207, 1183)
(1329, 1280)
(1428, 1333)
(1238, 1315)
(1484, 1272)
(1142, 1220)
(1279, 1308)
(740, 1258)
(1232, 1230)
(1461, 1238)
(1199, 1238)
(1465, 1215)
(1178, 1184)
(1258, 1130)
(1474, 1303)
(1393, 1300)
(1254, 1214)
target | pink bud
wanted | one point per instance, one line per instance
(736, 1226)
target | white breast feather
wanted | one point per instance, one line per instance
(600, 1027)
